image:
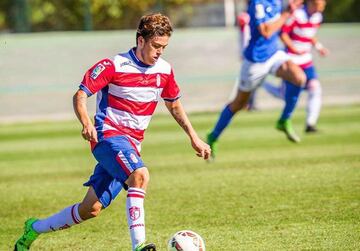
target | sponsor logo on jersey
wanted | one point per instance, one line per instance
(97, 70)
(126, 63)
(133, 158)
(107, 63)
(134, 213)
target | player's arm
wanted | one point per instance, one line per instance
(319, 47)
(97, 77)
(267, 29)
(285, 38)
(177, 111)
(79, 103)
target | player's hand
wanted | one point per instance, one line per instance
(202, 149)
(324, 52)
(89, 133)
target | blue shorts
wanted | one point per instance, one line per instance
(310, 73)
(117, 159)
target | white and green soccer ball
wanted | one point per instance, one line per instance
(186, 240)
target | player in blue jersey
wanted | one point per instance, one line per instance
(262, 57)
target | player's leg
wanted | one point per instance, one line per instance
(123, 162)
(313, 87)
(237, 104)
(277, 91)
(67, 217)
(252, 75)
(137, 183)
(313, 105)
(251, 106)
(294, 79)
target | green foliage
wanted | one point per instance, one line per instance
(262, 193)
(342, 11)
(121, 14)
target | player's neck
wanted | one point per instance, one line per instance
(138, 55)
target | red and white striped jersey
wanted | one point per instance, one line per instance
(302, 28)
(128, 92)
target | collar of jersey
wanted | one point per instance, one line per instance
(136, 60)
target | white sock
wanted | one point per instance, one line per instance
(62, 220)
(136, 215)
(314, 102)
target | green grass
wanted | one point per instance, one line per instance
(262, 193)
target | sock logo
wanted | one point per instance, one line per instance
(134, 213)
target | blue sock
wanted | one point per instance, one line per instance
(292, 93)
(224, 119)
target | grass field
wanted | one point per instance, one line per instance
(263, 192)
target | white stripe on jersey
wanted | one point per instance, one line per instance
(137, 94)
(301, 46)
(308, 32)
(301, 59)
(124, 63)
(128, 119)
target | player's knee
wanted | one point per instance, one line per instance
(299, 76)
(314, 86)
(239, 103)
(139, 178)
(89, 211)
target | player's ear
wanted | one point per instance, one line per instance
(141, 41)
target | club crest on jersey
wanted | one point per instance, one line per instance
(97, 70)
(134, 213)
(133, 158)
(158, 80)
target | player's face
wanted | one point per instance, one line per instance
(317, 5)
(151, 50)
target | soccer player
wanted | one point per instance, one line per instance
(243, 20)
(263, 56)
(128, 88)
(298, 35)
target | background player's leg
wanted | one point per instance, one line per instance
(239, 102)
(278, 91)
(294, 80)
(313, 105)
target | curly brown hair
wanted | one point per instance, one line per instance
(153, 25)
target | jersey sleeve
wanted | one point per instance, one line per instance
(171, 91)
(97, 77)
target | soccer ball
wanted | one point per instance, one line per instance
(186, 240)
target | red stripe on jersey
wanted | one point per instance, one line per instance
(156, 80)
(136, 134)
(307, 25)
(291, 51)
(293, 36)
(306, 65)
(123, 166)
(135, 195)
(133, 107)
